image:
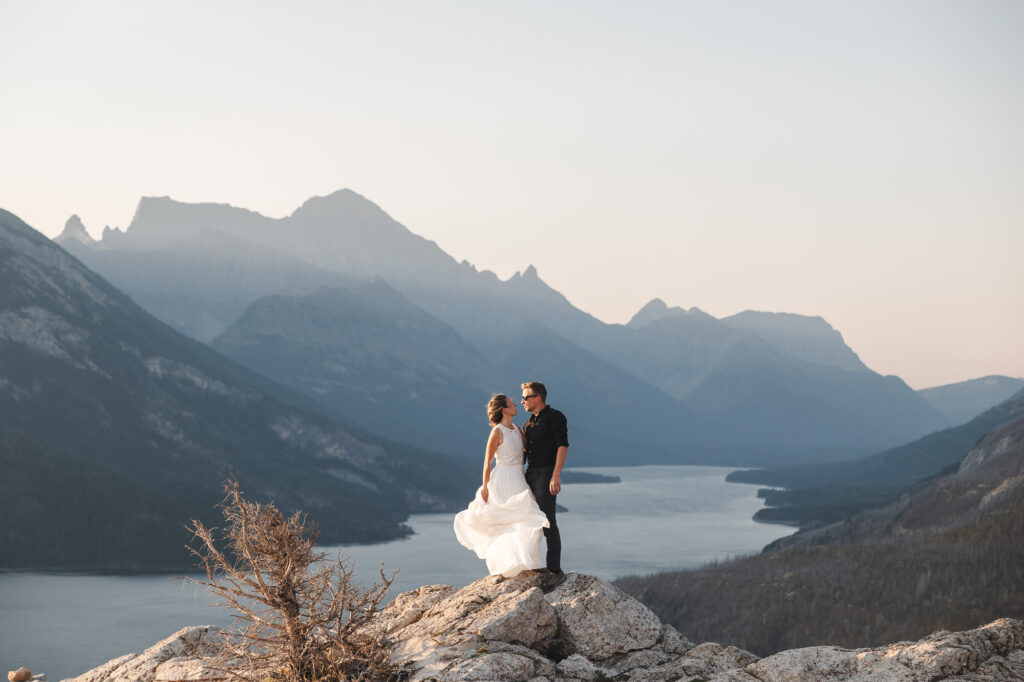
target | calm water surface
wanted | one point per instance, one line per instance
(656, 519)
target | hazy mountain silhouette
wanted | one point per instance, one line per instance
(200, 282)
(117, 430)
(368, 353)
(374, 356)
(786, 381)
(770, 387)
(804, 339)
(614, 417)
(962, 401)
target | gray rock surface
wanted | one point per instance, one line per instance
(991, 653)
(182, 656)
(586, 630)
(599, 620)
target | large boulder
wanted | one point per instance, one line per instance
(598, 620)
(500, 629)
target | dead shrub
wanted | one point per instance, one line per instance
(298, 614)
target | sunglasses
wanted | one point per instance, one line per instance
(527, 397)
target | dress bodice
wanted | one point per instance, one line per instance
(511, 449)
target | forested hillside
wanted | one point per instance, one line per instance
(824, 493)
(948, 556)
(117, 430)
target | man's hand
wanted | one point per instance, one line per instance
(556, 484)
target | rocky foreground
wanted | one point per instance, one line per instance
(588, 629)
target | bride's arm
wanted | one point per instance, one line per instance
(493, 441)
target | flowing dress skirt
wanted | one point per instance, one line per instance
(506, 530)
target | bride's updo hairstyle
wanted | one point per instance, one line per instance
(495, 405)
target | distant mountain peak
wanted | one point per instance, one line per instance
(150, 205)
(529, 276)
(74, 229)
(656, 309)
(801, 337)
(655, 306)
(160, 221)
(160, 209)
(342, 203)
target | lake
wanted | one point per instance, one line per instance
(658, 518)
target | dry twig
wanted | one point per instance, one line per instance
(298, 614)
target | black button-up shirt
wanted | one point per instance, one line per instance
(545, 432)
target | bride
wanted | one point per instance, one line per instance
(503, 523)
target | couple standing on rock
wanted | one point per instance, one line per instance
(511, 510)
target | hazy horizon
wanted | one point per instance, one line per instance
(858, 161)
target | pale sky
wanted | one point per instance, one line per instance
(862, 161)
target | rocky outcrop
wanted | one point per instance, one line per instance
(587, 629)
(182, 656)
(509, 630)
(994, 652)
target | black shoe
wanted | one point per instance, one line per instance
(552, 581)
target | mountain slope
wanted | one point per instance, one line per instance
(367, 352)
(985, 484)
(776, 386)
(756, 387)
(614, 418)
(814, 495)
(963, 401)
(900, 466)
(801, 338)
(947, 555)
(201, 281)
(772, 388)
(117, 430)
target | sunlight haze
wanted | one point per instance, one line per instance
(861, 161)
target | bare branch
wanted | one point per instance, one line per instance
(309, 606)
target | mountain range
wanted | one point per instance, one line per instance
(327, 366)
(117, 430)
(672, 385)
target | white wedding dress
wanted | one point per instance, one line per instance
(507, 528)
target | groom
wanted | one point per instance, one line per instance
(547, 443)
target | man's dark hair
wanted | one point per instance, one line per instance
(537, 388)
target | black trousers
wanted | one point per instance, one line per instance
(539, 479)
